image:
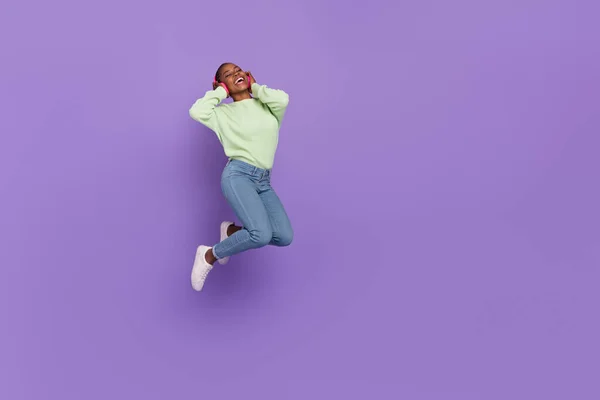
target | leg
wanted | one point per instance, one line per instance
(283, 233)
(233, 228)
(242, 195)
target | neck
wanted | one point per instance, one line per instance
(245, 95)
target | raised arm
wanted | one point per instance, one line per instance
(203, 110)
(276, 100)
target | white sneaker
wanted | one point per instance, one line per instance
(224, 226)
(201, 268)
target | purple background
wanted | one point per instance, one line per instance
(439, 161)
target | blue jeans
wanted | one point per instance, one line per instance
(264, 221)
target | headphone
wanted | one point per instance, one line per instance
(224, 86)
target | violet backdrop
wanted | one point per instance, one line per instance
(439, 162)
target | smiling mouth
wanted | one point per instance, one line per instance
(239, 80)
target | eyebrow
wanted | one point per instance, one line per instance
(230, 70)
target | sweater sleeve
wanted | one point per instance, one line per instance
(276, 100)
(203, 110)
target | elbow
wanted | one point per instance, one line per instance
(285, 100)
(197, 114)
(194, 114)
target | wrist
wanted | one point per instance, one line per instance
(224, 86)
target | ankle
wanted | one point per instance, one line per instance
(209, 257)
(231, 229)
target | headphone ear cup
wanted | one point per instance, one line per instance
(248, 76)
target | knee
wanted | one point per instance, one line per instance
(261, 237)
(285, 238)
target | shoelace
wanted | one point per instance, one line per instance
(205, 273)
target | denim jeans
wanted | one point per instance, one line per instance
(264, 221)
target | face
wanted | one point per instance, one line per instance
(234, 77)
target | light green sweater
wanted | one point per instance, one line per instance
(247, 129)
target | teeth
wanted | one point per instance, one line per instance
(239, 80)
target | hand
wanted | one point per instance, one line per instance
(252, 80)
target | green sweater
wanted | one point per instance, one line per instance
(247, 129)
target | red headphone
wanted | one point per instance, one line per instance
(221, 84)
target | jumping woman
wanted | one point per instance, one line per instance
(248, 129)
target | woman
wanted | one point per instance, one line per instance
(248, 129)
